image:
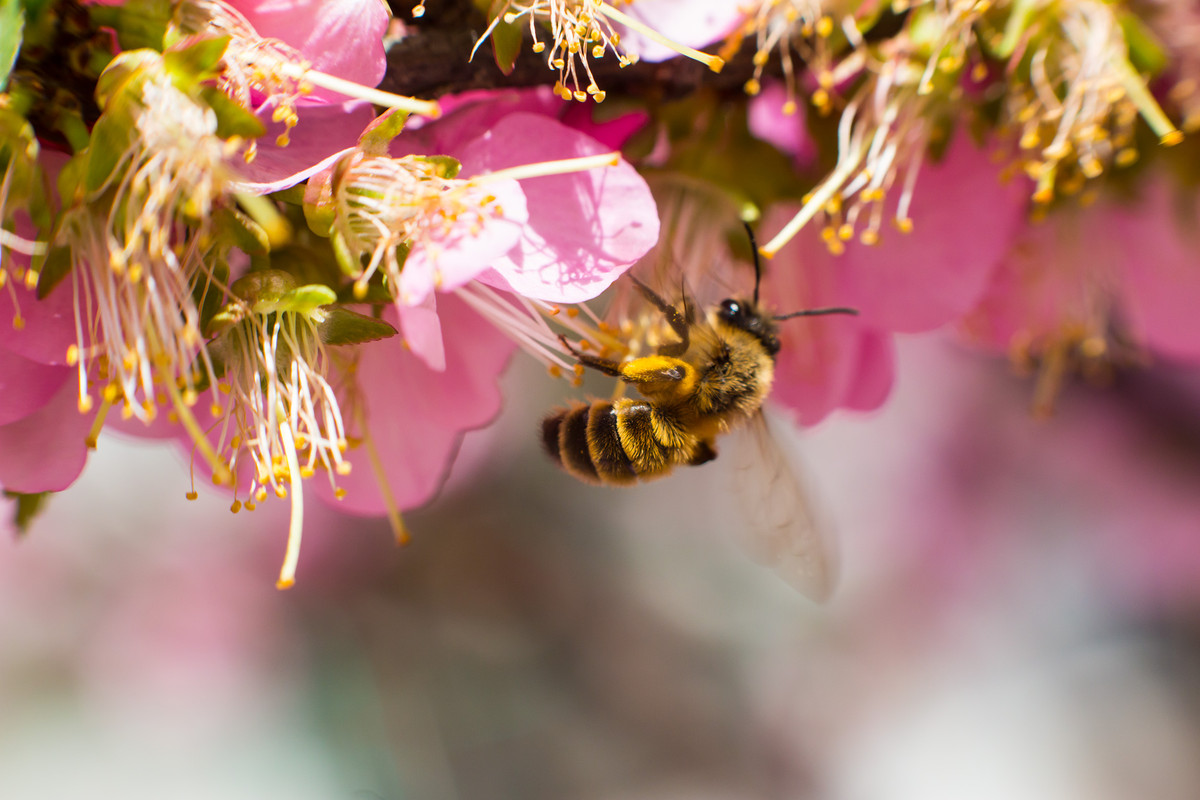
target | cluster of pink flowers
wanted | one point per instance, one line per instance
(240, 253)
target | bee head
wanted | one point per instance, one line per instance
(748, 316)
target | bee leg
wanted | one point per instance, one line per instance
(605, 365)
(705, 452)
(678, 321)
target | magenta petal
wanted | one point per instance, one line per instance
(585, 229)
(415, 415)
(471, 114)
(321, 136)
(1159, 240)
(26, 386)
(45, 451)
(338, 37)
(964, 222)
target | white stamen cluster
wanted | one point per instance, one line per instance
(252, 63)
(1076, 115)
(385, 207)
(280, 413)
(793, 27)
(579, 31)
(137, 258)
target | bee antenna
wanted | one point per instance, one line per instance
(817, 312)
(757, 261)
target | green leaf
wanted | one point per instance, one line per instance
(51, 271)
(26, 508)
(506, 37)
(12, 28)
(343, 326)
(232, 119)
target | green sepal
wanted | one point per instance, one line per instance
(507, 37)
(194, 58)
(209, 293)
(137, 23)
(376, 137)
(346, 260)
(232, 118)
(110, 139)
(446, 166)
(320, 218)
(1146, 52)
(53, 267)
(241, 231)
(306, 299)
(26, 507)
(12, 28)
(343, 326)
(129, 66)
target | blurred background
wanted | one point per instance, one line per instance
(1017, 617)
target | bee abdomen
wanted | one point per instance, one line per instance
(615, 443)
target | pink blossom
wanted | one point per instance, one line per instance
(964, 221)
(1085, 271)
(828, 362)
(787, 132)
(414, 415)
(343, 38)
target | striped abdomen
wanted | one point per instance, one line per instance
(618, 443)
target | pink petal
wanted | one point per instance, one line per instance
(964, 222)
(321, 136)
(824, 363)
(1052, 282)
(786, 132)
(415, 416)
(49, 324)
(585, 229)
(343, 38)
(45, 451)
(422, 332)
(26, 386)
(695, 23)
(455, 257)
(470, 114)
(1159, 242)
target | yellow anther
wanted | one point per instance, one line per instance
(192, 495)
(236, 506)
(342, 468)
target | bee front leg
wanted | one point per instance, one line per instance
(678, 321)
(705, 452)
(605, 365)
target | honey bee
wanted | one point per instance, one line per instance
(713, 379)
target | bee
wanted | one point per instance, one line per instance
(713, 379)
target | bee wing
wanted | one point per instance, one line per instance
(779, 527)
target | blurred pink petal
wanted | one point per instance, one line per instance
(46, 450)
(785, 131)
(1056, 280)
(25, 386)
(422, 332)
(824, 363)
(414, 415)
(1159, 243)
(585, 229)
(964, 219)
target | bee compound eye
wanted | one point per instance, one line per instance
(731, 309)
